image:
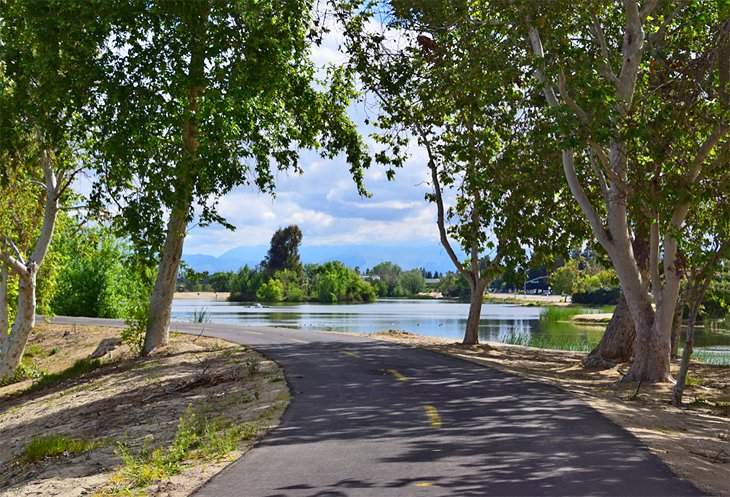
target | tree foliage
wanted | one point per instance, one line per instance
(450, 84)
(284, 251)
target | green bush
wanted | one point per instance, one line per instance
(99, 278)
(271, 291)
(600, 296)
(454, 285)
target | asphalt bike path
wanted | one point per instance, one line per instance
(373, 418)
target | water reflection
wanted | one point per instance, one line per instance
(499, 322)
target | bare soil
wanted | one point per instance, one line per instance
(130, 400)
(692, 440)
(201, 296)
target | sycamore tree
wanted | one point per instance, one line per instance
(639, 95)
(448, 84)
(201, 96)
(46, 74)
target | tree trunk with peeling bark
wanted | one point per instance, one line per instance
(14, 346)
(471, 335)
(158, 326)
(4, 304)
(677, 327)
(27, 270)
(618, 343)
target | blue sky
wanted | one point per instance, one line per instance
(324, 202)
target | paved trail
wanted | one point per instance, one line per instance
(370, 418)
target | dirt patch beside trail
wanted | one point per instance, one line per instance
(693, 440)
(204, 296)
(134, 401)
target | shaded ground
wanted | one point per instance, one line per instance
(129, 400)
(693, 441)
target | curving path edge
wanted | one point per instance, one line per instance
(372, 418)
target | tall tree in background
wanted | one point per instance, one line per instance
(48, 52)
(450, 84)
(284, 251)
(202, 96)
(597, 66)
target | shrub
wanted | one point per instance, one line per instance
(271, 291)
(600, 296)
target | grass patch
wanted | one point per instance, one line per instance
(81, 367)
(56, 445)
(555, 314)
(200, 316)
(253, 365)
(26, 371)
(553, 341)
(710, 356)
(197, 438)
(34, 350)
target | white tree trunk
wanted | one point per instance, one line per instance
(4, 318)
(14, 346)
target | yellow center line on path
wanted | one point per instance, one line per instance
(351, 354)
(300, 341)
(424, 484)
(253, 332)
(433, 417)
(398, 376)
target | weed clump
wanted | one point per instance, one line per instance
(197, 438)
(56, 445)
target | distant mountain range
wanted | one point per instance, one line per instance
(430, 257)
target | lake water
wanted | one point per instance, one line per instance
(440, 318)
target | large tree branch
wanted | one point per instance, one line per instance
(15, 249)
(705, 150)
(15, 265)
(649, 7)
(582, 114)
(659, 34)
(537, 49)
(654, 277)
(50, 211)
(583, 201)
(600, 39)
(631, 54)
(440, 215)
(722, 157)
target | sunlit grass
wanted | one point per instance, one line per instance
(80, 367)
(197, 438)
(56, 445)
(565, 314)
(566, 341)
